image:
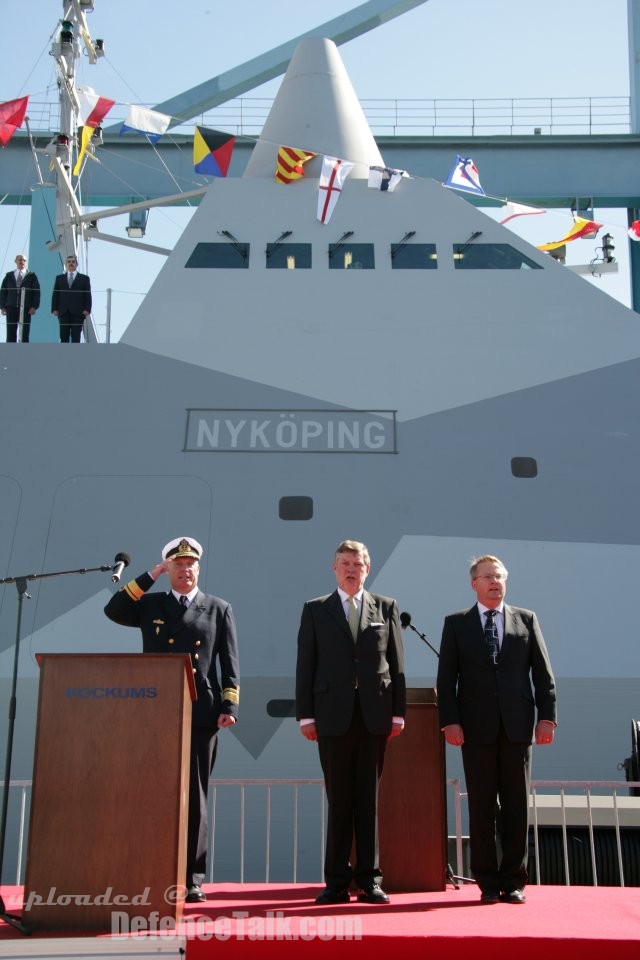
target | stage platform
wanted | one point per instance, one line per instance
(282, 920)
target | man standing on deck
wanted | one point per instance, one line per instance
(71, 301)
(490, 656)
(351, 698)
(19, 300)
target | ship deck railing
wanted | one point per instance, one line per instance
(418, 117)
(582, 832)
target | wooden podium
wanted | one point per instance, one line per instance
(412, 801)
(108, 815)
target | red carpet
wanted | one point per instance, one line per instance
(282, 921)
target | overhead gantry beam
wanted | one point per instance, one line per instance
(259, 70)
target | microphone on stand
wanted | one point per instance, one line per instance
(122, 560)
(405, 621)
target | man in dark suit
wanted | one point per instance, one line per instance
(186, 620)
(494, 673)
(19, 299)
(351, 698)
(71, 301)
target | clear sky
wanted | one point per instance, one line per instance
(482, 49)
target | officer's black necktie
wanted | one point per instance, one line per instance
(184, 601)
(491, 634)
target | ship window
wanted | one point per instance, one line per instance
(214, 255)
(414, 256)
(351, 256)
(524, 467)
(491, 256)
(295, 508)
(288, 256)
(281, 708)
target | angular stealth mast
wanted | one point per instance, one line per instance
(316, 109)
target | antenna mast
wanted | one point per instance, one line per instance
(66, 49)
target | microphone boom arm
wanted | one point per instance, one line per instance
(58, 573)
(422, 637)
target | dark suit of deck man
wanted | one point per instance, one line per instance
(19, 299)
(488, 704)
(71, 301)
(350, 693)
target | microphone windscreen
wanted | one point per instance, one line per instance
(405, 619)
(123, 558)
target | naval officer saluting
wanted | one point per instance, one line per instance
(186, 620)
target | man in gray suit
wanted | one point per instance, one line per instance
(351, 698)
(494, 673)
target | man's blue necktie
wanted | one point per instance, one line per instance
(491, 634)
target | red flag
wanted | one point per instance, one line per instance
(93, 110)
(634, 230)
(12, 113)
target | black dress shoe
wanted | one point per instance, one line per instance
(513, 896)
(490, 896)
(195, 894)
(332, 895)
(374, 894)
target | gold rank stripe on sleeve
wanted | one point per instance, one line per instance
(133, 590)
(232, 694)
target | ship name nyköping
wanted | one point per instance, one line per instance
(291, 431)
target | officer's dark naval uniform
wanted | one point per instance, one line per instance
(206, 630)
